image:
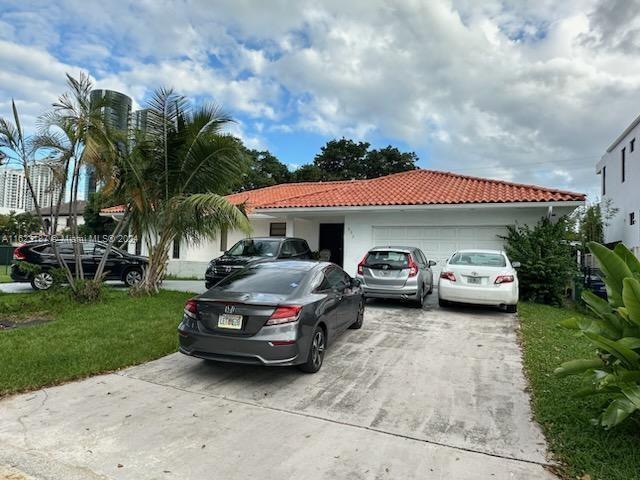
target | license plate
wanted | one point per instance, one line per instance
(227, 320)
(474, 280)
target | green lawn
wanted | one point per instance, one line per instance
(582, 447)
(83, 340)
(4, 277)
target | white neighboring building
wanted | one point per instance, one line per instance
(15, 194)
(439, 212)
(619, 170)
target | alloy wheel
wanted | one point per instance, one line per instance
(133, 278)
(43, 280)
(317, 350)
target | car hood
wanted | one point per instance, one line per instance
(137, 258)
(240, 261)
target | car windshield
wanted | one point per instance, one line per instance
(255, 248)
(478, 259)
(394, 260)
(263, 280)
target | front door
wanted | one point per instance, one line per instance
(332, 239)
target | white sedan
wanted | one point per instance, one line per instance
(484, 277)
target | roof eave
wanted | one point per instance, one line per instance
(439, 206)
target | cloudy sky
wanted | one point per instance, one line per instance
(531, 91)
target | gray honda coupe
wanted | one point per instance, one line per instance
(277, 313)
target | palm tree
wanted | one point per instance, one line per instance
(74, 134)
(173, 176)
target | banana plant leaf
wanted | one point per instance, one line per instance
(616, 412)
(629, 258)
(573, 367)
(628, 357)
(615, 270)
(631, 299)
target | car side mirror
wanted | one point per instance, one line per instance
(432, 263)
(516, 264)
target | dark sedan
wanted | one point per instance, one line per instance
(120, 265)
(276, 313)
(251, 251)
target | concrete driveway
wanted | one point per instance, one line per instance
(429, 394)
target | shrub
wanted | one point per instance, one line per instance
(615, 334)
(547, 260)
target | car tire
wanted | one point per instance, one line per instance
(316, 352)
(42, 281)
(357, 325)
(443, 303)
(132, 277)
(430, 291)
(421, 299)
(512, 308)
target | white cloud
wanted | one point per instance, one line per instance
(529, 90)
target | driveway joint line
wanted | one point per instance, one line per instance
(346, 424)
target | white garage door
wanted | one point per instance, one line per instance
(438, 243)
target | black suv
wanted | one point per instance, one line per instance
(255, 250)
(120, 265)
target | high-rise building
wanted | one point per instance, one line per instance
(14, 190)
(116, 111)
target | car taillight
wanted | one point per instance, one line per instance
(361, 265)
(284, 314)
(448, 276)
(503, 279)
(413, 267)
(191, 308)
(18, 254)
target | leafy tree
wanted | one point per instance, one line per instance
(94, 224)
(308, 173)
(614, 332)
(342, 159)
(263, 170)
(174, 177)
(591, 220)
(13, 226)
(345, 160)
(388, 160)
(547, 259)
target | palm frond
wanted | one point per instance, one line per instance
(202, 216)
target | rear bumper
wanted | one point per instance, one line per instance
(255, 350)
(407, 292)
(505, 294)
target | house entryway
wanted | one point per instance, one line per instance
(332, 239)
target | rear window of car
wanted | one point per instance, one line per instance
(478, 259)
(390, 258)
(263, 280)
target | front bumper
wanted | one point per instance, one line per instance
(258, 349)
(505, 294)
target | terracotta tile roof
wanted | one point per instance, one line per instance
(116, 209)
(282, 192)
(415, 187)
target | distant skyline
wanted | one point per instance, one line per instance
(528, 91)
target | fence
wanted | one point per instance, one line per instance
(6, 256)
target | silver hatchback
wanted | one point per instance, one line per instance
(396, 272)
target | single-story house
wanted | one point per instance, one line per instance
(64, 219)
(438, 212)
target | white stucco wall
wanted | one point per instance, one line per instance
(625, 196)
(359, 226)
(359, 230)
